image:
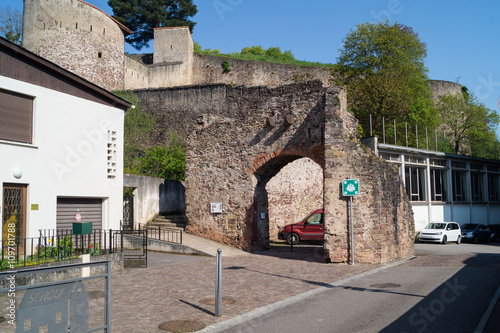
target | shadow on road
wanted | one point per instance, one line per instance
(311, 252)
(458, 304)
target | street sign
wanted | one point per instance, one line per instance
(350, 187)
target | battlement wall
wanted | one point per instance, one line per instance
(78, 37)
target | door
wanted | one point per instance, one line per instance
(14, 216)
(313, 227)
(88, 210)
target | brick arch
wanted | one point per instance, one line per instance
(293, 152)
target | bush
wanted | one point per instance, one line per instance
(167, 162)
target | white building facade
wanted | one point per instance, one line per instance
(446, 187)
(61, 147)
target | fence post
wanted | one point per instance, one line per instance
(218, 286)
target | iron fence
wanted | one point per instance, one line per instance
(157, 232)
(402, 134)
(55, 245)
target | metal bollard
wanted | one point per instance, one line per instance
(218, 286)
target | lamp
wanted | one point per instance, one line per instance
(17, 172)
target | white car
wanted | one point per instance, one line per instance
(441, 232)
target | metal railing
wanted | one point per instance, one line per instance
(402, 134)
(157, 232)
(55, 245)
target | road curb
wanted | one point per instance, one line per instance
(241, 319)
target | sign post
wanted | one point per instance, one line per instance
(350, 188)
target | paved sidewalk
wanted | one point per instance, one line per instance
(142, 299)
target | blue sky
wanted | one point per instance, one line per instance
(461, 35)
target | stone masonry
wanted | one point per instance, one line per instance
(240, 146)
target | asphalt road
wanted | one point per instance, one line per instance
(446, 288)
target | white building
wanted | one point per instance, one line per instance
(61, 147)
(445, 187)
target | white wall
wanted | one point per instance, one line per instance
(68, 156)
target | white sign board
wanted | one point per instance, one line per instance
(216, 207)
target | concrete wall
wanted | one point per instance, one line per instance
(77, 36)
(68, 156)
(155, 196)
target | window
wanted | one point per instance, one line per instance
(111, 170)
(460, 165)
(438, 162)
(315, 219)
(390, 157)
(16, 117)
(459, 193)
(438, 185)
(476, 186)
(415, 183)
(414, 159)
(493, 187)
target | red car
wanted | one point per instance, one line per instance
(310, 228)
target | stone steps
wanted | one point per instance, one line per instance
(170, 221)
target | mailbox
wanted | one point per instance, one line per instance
(82, 228)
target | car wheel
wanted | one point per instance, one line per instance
(488, 239)
(459, 239)
(293, 237)
(445, 239)
(476, 240)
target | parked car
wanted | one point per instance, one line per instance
(474, 232)
(494, 232)
(441, 232)
(310, 228)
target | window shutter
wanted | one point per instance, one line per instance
(16, 117)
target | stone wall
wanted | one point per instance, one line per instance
(382, 215)
(78, 37)
(440, 88)
(208, 70)
(294, 193)
(239, 147)
(221, 155)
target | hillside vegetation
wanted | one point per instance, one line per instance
(257, 53)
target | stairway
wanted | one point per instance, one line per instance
(169, 221)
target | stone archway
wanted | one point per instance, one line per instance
(253, 132)
(264, 168)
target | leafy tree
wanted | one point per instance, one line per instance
(467, 120)
(11, 25)
(257, 50)
(199, 50)
(382, 67)
(166, 162)
(142, 17)
(138, 128)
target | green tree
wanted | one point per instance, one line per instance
(142, 17)
(166, 162)
(199, 50)
(138, 129)
(257, 50)
(467, 121)
(11, 25)
(382, 67)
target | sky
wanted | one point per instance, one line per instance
(462, 36)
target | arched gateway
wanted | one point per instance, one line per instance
(252, 133)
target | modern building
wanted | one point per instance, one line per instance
(446, 187)
(61, 147)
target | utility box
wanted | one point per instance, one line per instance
(82, 228)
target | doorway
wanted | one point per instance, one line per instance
(14, 215)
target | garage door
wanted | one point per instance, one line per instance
(89, 209)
